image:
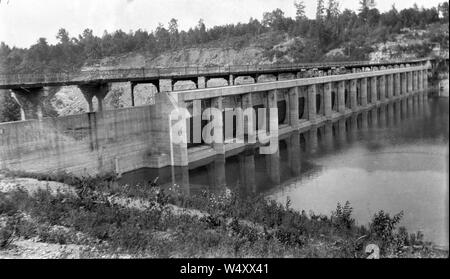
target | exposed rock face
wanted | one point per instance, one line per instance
(185, 57)
(69, 100)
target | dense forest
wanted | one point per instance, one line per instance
(331, 28)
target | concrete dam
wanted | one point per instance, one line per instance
(123, 140)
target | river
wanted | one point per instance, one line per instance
(393, 157)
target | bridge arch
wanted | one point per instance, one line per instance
(185, 84)
(245, 79)
(216, 81)
(143, 94)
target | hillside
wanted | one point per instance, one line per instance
(408, 44)
(332, 36)
(269, 48)
(184, 57)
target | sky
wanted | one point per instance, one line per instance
(22, 22)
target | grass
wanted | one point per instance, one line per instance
(232, 225)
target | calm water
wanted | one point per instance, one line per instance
(393, 157)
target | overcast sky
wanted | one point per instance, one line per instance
(22, 22)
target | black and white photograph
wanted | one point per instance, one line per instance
(226, 130)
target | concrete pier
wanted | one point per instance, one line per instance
(364, 92)
(390, 86)
(382, 89)
(201, 82)
(327, 100)
(293, 95)
(249, 130)
(341, 97)
(95, 90)
(397, 84)
(374, 90)
(404, 82)
(410, 83)
(218, 145)
(312, 92)
(353, 95)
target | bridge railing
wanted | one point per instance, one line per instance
(34, 78)
(199, 70)
(65, 77)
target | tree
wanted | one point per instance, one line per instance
(5, 50)
(332, 9)
(274, 20)
(63, 36)
(173, 31)
(390, 18)
(320, 10)
(333, 29)
(443, 9)
(38, 56)
(300, 10)
(162, 37)
(141, 38)
(373, 17)
(363, 5)
(254, 26)
(173, 26)
(363, 9)
(201, 31)
(91, 45)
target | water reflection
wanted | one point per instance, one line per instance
(392, 157)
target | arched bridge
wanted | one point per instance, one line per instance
(199, 75)
(31, 90)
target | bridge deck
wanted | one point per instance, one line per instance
(143, 75)
(207, 93)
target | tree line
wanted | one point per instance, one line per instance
(329, 29)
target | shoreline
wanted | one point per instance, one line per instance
(228, 219)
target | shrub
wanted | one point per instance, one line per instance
(6, 235)
(383, 228)
(342, 217)
(383, 225)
